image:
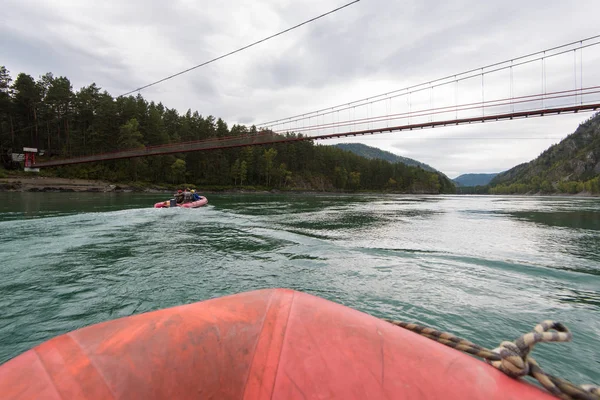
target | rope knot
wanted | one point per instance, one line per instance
(513, 361)
(514, 356)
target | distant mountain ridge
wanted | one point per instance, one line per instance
(474, 179)
(373, 152)
(571, 166)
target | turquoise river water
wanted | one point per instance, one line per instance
(485, 268)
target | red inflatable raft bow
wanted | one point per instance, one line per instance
(267, 344)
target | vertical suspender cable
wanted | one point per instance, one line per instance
(368, 121)
(455, 97)
(581, 67)
(432, 103)
(482, 95)
(408, 102)
(543, 91)
(389, 111)
(575, 71)
(350, 117)
(545, 79)
(512, 93)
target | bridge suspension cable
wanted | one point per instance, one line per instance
(239, 49)
(54, 120)
(455, 108)
(469, 74)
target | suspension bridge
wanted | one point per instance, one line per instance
(544, 83)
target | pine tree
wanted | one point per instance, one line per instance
(243, 172)
(235, 171)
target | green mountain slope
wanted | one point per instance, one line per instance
(571, 166)
(375, 153)
(474, 179)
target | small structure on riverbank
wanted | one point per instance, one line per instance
(29, 158)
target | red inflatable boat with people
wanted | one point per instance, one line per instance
(184, 199)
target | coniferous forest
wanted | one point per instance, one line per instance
(46, 113)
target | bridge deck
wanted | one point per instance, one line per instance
(269, 138)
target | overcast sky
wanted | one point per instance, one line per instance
(371, 47)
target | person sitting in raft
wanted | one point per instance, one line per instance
(187, 196)
(195, 195)
(179, 197)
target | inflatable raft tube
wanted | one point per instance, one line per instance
(194, 204)
(267, 344)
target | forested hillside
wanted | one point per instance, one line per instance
(474, 179)
(571, 166)
(373, 152)
(46, 113)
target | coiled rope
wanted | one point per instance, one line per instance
(513, 358)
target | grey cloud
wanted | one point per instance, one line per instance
(100, 60)
(392, 41)
(204, 88)
(83, 67)
(381, 42)
(246, 120)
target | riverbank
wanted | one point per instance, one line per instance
(52, 184)
(28, 183)
(35, 183)
(58, 185)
